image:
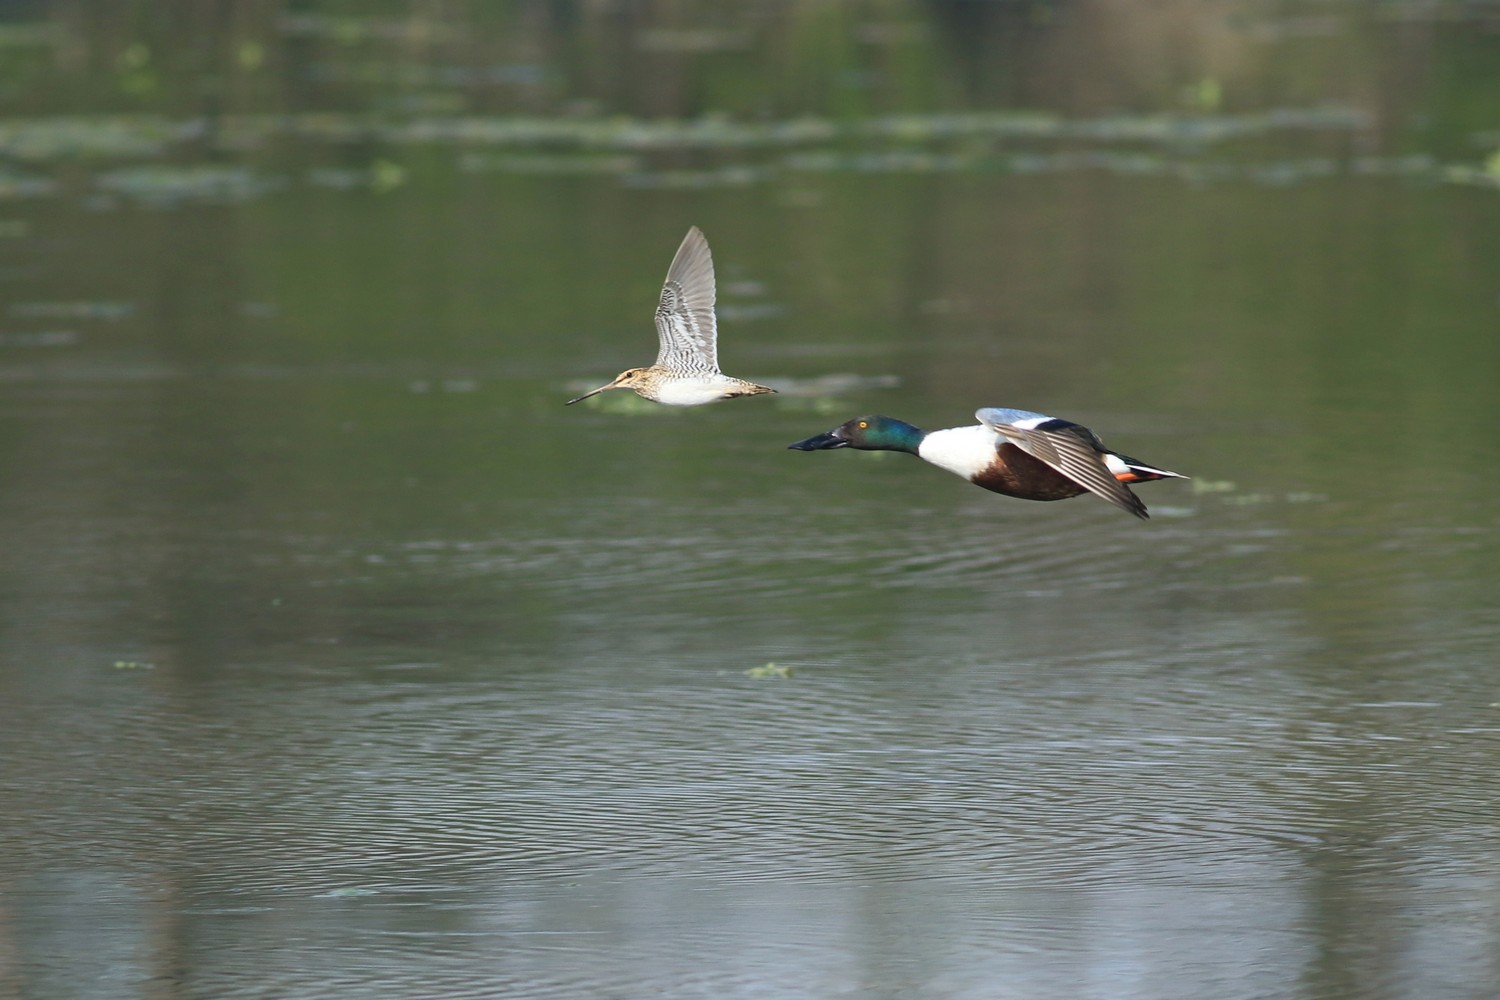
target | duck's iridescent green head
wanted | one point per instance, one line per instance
(873, 433)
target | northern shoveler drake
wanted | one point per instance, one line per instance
(686, 372)
(1016, 452)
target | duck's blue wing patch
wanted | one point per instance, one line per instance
(992, 415)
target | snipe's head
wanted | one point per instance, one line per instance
(630, 378)
(872, 433)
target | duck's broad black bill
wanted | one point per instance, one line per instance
(820, 442)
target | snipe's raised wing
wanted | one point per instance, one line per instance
(685, 315)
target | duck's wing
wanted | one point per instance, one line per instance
(685, 315)
(1071, 449)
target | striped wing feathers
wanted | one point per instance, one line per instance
(685, 316)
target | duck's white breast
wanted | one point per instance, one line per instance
(964, 451)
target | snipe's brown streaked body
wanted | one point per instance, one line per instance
(686, 372)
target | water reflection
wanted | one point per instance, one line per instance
(578, 805)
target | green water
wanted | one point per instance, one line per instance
(339, 658)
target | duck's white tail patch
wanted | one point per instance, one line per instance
(1134, 470)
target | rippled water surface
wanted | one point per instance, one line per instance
(339, 658)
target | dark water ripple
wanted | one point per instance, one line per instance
(593, 813)
(813, 779)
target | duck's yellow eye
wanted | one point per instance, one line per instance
(864, 425)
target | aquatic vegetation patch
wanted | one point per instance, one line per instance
(110, 311)
(770, 671)
(15, 185)
(644, 153)
(381, 176)
(1259, 499)
(834, 384)
(821, 405)
(96, 137)
(41, 338)
(351, 29)
(164, 186)
(733, 175)
(1486, 175)
(548, 165)
(696, 40)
